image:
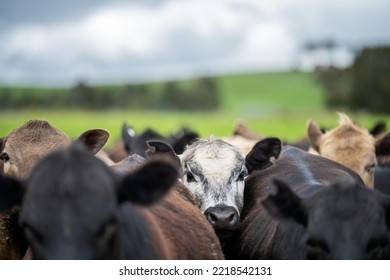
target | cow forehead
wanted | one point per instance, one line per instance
(214, 160)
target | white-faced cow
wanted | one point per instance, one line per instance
(261, 236)
(74, 207)
(347, 144)
(214, 172)
(342, 221)
(20, 150)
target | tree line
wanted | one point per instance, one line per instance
(200, 95)
(365, 85)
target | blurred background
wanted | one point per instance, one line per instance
(196, 63)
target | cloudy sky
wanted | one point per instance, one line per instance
(59, 42)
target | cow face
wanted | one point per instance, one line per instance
(70, 207)
(342, 221)
(24, 146)
(214, 172)
(347, 144)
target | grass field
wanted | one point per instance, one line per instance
(273, 104)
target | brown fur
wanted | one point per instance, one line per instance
(117, 152)
(347, 144)
(243, 130)
(27, 144)
(181, 230)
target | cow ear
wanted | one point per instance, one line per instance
(128, 134)
(314, 133)
(262, 153)
(378, 128)
(183, 138)
(159, 148)
(11, 192)
(285, 204)
(382, 145)
(149, 183)
(94, 139)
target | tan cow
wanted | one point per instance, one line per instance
(25, 145)
(348, 144)
(20, 150)
(243, 137)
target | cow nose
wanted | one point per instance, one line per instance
(222, 217)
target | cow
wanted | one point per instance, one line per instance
(382, 179)
(20, 150)
(382, 150)
(133, 143)
(24, 146)
(260, 235)
(344, 220)
(347, 144)
(74, 207)
(214, 172)
(243, 137)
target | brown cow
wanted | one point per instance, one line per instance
(20, 150)
(347, 144)
(93, 214)
(243, 137)
(24, 146)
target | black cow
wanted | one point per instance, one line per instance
(345, 220)
(75, 207)
(382, 179)
(137, 143)
(262, 236)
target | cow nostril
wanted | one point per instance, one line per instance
(232, 218)
(213, 218)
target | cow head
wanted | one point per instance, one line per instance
(24, 146)
(342, 221)
(137, 143)
(70, 207)
(214, 171)
(347, 144)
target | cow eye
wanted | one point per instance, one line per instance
(190, 177)
(4, 157)
(241, 176)
(370, 168)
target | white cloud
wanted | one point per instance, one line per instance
(132, 40)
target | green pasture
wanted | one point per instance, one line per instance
(272, 104)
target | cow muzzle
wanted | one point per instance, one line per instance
(223, 218)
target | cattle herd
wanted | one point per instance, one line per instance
(179, 197)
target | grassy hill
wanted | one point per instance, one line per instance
(273, 104)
